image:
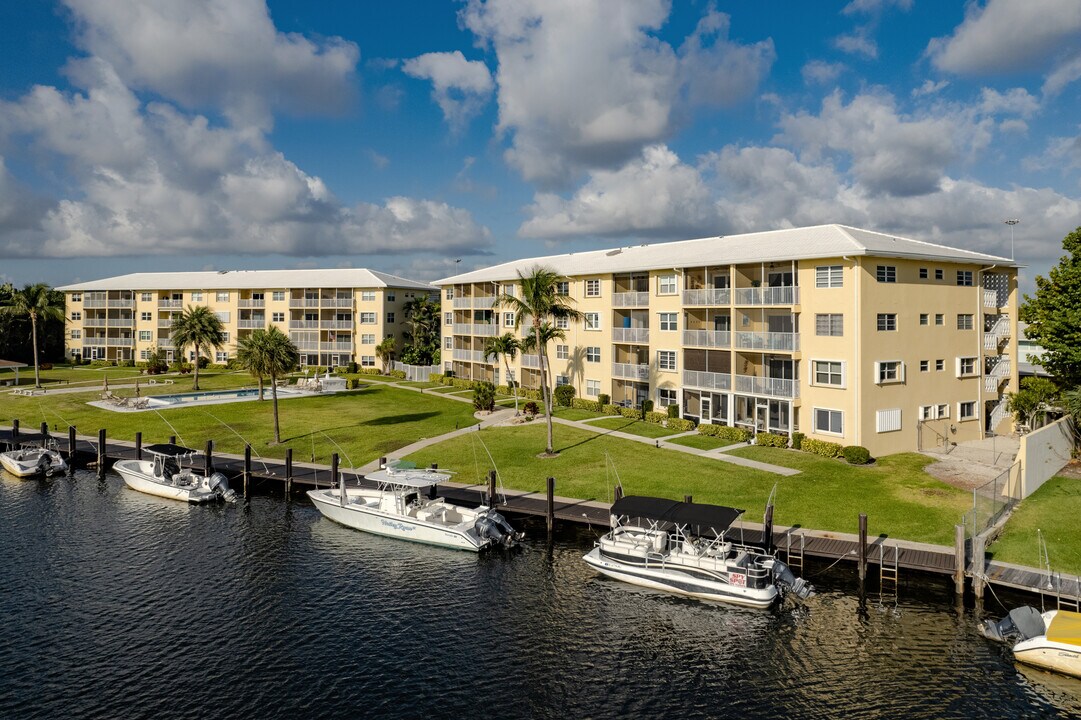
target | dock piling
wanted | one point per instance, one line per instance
(247, 471)
(979, 565)
(863, 548)
(139, 445)
(619, 492)
(172, 439)
(688, 499)
(15, 430)
(44, 430)
(101, 454)
(333, 469)
(767, 530)
(959, 554)
(288, 471)
(550, 514)
(491, 489)
(71, 444)
(208, 459)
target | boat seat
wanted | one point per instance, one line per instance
(741, 559)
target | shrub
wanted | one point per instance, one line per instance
(766, 439)
(724, 432)
(484, 396)
(584, 404)
(203, 362)
(797, 440)
(531, 408)
(101, 363)
(352, 383)
(673, 411)
(400, 374)
(353, 367)
(629, 412)
(656, 417)
(369, 371)
(563, 395)
(434, 377)
(608, 409)
(647, 407)
(680, 425)
(531, 394)
(821, 447)
(856, 455)
(45, 366)
(604, 399)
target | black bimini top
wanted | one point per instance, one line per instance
(716, 517)
(169, 449)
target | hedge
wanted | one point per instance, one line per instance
(724, 432)
(583, 404)
(627, 412)
(436, 378)
(608, 409)
(766, 439)
(680, 425)
(604, 399)
(656, 417)
(797, 440)
(563, 395)
(856, 454)
(821, 447)
(400, 374)
(673, 411)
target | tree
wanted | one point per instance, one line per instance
(1054, 315)
(422, 333)
(36, 302)
(507, 347)
(270, 354)
(540, 302)
(1035, 393)
(385, 352)
(200, 327)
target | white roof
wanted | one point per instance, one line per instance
(409, 477)
(251, 280)
(821, 241)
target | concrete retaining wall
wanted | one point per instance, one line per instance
(1043, 453)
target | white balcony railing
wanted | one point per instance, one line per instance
(707, 338)
(707, 380)
(997, 371)
(122, 303)
(630, 335)
(303, 324)
(336, 302)
(484, 302)
(306, 344)
(463, 303)
(121, 322)
(998, 332)
(336, 324)
(771, 387)
(94, 322)
(468, 355)
(788, 342)
(250, 303)
(167, 303)
(251, 324)
(530, 360)
(303, 302)
(120, 342)
(165, 322)
(632, 371)
(337, 347)
(708, 296)
(999, 413)
(483, 330)
(630, 299)
(783, 295)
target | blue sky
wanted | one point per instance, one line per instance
(142, 135)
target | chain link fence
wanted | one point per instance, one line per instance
(992, 500)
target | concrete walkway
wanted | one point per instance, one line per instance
(496, 418)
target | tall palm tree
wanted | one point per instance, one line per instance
(200, 327)
(548, 333)
(422, 333)
(35, 302)
(271, 354)
(541, 302)
(507, 347)
(385, 352)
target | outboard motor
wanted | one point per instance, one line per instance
(787, 582)
(493, 526)
(1021, 624)
(219, 484)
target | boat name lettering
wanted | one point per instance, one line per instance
(737, 579)
(398, 526)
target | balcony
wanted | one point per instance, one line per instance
(530, 360)
(771, 387)
(167, 303)
(303, 324)
(999, 331)
(998, 369)
(165, 323)
(251, 324)
(242, 303)
(94, 322)
(336, 324)
(463, 303)
(303, 302)
(95, 341)
(89, 301)
(786, 342)
(337, 347)
(484, 302)
(630, 371)
(468, 355)
(639, 336)
(707, 338)
(306, 344)
(707, 380)
(784, 295)
(114, 342)
(630, 299)
(121, 322)
(482, 330)
(337, 302)
(707, 297)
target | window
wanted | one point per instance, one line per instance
(966, 366)
(508, 319)
(828, 372)
(887, 321)
(886, 273)
(223, 315)
(563, 288)
(258, 296)
(197, 296)
(369, 338)
(593, 288)
(593, 388)
(146, 297)
(562, 352)
(939, 273)
(144, 354)
(368, 318)
(925, 319)
(367, 360)
(940, 365)
(964, 322)
(925, 365)
(829, 421)
(76, 315)
(76, 334)
(562, 380)
(146, 316)
(225, 337)
(278, 295)
(76, 297)
(367, 295)
(277, 317)
(666, 397)
(830, 324)
(669, 322)
(593, 321)
(222, 296)
(593, 354)
(889, 371)
(562, 323)
(942, 411)
(940, 319)
(829, 276)
(966, 410)
(927, 412)
(390, 318)
(666, 284)
(666, 359)
(146, 335)
(964, 277)
(390, 297)
(221, 357)
(923, 273)
(448, 318)
(450, 293)
(888, 420)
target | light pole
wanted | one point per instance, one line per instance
(1011, 222)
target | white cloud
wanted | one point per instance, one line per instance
(857, 43)
(460, 87)
(224, 54)
(1016, 101)
(872, 7)
(820, 72)
(586, 84)
(1061, 76)
(930, 87)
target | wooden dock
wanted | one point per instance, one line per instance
(889, 556)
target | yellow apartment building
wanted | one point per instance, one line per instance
(334, 316)
(845, 335)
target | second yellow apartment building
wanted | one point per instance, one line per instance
(845, 335)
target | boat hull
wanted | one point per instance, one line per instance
(137, 475)
(1048, 655)
(663, 578)
(371, 520)
(30, 465)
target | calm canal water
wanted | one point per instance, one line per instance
(115, 604)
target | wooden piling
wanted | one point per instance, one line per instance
(767, 530)
(435, 466)
(333, 469)
(863, 548)
(979, 564)
(101, 454)
(71, 444)
(550, 514)
(491, 489)
(288, 471)
(247, 471)
(15, 429)
(382, 462)
(208, 459)
(619, 492)
(44, 430)
(688, 499)
(139, 445)
(172, 439)
(959, 554)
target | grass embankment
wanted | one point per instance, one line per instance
(900, 499)
(1054, 510)
(633, 427)
(360, 425)
(702, 442)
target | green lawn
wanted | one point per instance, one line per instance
(360, 425)
(1054, 510)
(576, 414)
(899, 498)
(702, 442)
(418, 384)
(633, 427)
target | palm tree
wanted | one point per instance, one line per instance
(541, 302)
(507, 346)
(271, 354)
(385, 352)
(422, 335)
(548, 333)
(35, 302)
(200, 327)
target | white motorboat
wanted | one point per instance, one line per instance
(681, 548)
(28, 461)
(1050, 640)
(163, 475)
(403, 505)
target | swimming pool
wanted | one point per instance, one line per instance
(211, 396)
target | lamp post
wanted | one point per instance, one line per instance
(1011, 222)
